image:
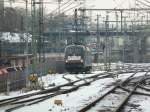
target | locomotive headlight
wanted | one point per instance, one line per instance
(81, 61)
(66, 61)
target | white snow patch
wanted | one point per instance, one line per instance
(145, 105)
(72, 101)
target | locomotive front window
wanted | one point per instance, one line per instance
(70, 51)
(78, 51)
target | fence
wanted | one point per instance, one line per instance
(12, 78)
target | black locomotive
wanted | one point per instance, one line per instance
(78, 58)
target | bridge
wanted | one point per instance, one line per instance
(101, 33)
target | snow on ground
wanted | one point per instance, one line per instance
(111, 101)
(71, 76)
(145, 105)
(72, 101)
(138, 103)
(57, 79)
(48, 80)
(51, 79)
(15, 94)
(88, 75)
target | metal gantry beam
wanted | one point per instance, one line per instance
(131, 9)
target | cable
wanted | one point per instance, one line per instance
(68, 5)
(30, 2)
(73, 8)
(143, 3)
(118, 5)
(147, 1)
(60, 6)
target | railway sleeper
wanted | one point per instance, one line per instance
(147, 89)
(135, 92)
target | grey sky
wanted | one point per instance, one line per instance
(89, 4)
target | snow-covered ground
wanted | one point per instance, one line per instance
(72, 101)
(76, 100)
(50, 80)
(139, 104)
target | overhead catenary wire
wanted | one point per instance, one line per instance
(147, 1)
(142, 3)
(60, 7)
(28, 2)
(138, 5)
(71, 8)
(77, 6)
(118, 5)
(68, 5)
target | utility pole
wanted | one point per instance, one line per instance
(147, 18)
(59, 2)
(83, 17)
(117, 30)
(123, 53)
(40, 33)
(121, 12)
(90, 18)
(116, 21)
(107, 55)
(27, 45)
(98, 39)
(1, 14)
(83, 20)
(59, 29)
(34, 34)
(76, 26)
(37, 36)
(1, 23)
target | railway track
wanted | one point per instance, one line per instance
(30, 99)
(132, 68)
(128, 93)
(49, 90)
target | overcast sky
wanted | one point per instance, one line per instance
(113, 3)
(104, 4)
(90, 4)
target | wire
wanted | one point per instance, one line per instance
(143, 3)
(60, 6)
(28, 2)
(147, 1)
(118, 5)
(68, 5)
(73, 8)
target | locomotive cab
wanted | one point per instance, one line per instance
(76, 57)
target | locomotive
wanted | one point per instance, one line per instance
(78, 58)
